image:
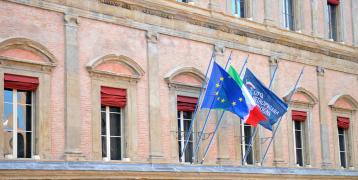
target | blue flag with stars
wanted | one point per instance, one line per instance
(224, 93)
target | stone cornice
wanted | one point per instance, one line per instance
(243, 27)
(129, 16)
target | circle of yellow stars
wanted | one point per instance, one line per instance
(222, 100)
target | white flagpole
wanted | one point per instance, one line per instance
(206, 121)
(203, 84)
(219, 122)
(279, 121)
(252, 140)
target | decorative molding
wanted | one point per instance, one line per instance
(274, 60)
(347, 97)
(313, 99)
(138, 72)
(152, 36)
(71, 19)
(219, 49)
(180, 70)
(320, 70)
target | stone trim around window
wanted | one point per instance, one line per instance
(338, 110)
(307, 106)
(125, 75)
(39, 64)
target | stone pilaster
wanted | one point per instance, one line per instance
(298, 13)
(325, 151)
(268, 18)
(72, 90)
(278, 158)
(355, 22)
(222, 142)
(155, 153)
(342, 22)
(326, 18)
(314, 17)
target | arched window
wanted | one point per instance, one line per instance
(114, 84)
(184, 84)
(26, 82)
(343, 118)
(300, 125)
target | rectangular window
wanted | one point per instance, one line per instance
(288, 14)
(246, 134)
(342, 136)
(18, 123)
(184, 1)
(332, 21)
(111, 133)
(184, 120)
(238, 8)
(299, 141)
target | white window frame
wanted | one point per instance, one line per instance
(303, 139)
(286, 16)
(108, 136)
(14, 125)
(182, 135)
(345, 136)
(243, 143)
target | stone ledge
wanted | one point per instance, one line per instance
(177, 168)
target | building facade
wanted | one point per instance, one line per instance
(107, 88)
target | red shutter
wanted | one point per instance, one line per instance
(114, 97)
(20, 82)
(186, 103)
(299, 115)
(333, 2)
(343, 122)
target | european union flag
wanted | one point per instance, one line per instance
(224, 93)
(271, 105)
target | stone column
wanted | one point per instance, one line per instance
(278, 159)
(325, 151)
(326, 19)
(342, 22)
(268, 19)
(155, 153)
(355, 22)
(72, 90)
(314, 17)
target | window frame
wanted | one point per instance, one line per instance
(303, 142)
(108, 136)
(332, 31)
(243, 144)
(181, 134)
(345, 144)
(15, 132)
(288, 19)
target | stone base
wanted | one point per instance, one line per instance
(326, 165)
(280, 163)
(224, 161)
(156, 159)
(74, 156)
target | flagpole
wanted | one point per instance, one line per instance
(252, 140)
(219, 122)
(207, 119)
(279, 121)
(186, 140)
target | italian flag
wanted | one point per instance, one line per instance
(254, 116)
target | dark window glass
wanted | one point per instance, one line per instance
(115, 121)
(114, 109)
(342, 147)
(115, 148)
(238, 8)
(288, 14)
(104, 146)
(343, 159)
(103, 123)
(187, 115)
(332, 21)
(20, 146)
(298, 142)
(182, 134)
(248, 134)
(103, 108)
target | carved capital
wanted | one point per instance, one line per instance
(320, 70)
(219, 49)
(71, 19)
(273, 60)
(152, 36)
